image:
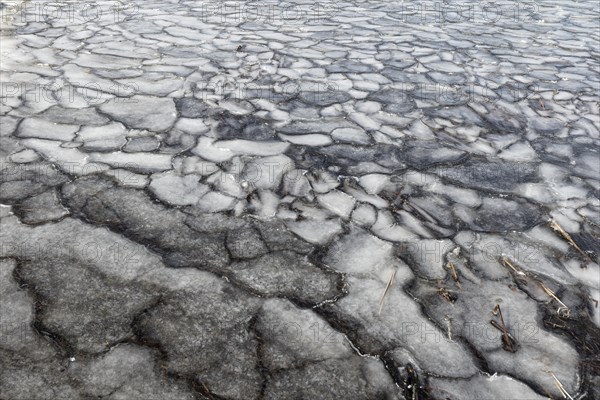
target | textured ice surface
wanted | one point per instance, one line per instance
(313, 200)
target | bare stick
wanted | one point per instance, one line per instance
(506, 262)
(560, 387)
(563, 309)
(554, 225)
(498, 311)
(452, 269)
(387, 288)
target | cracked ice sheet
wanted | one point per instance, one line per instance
(200, 202)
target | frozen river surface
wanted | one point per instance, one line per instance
(302, 200)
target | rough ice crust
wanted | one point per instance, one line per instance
(334, 204)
